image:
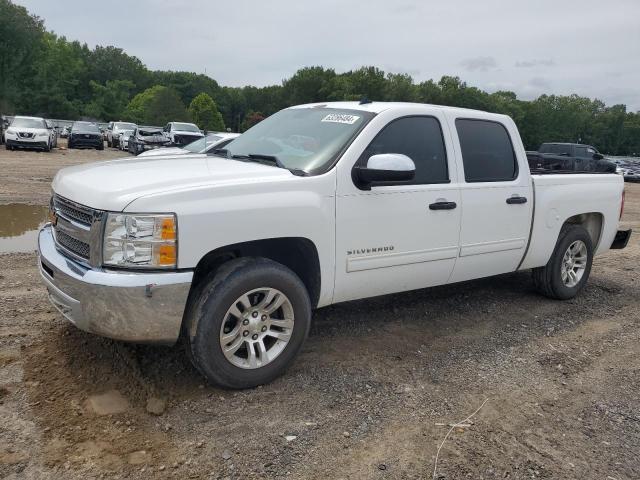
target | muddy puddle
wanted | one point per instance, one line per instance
(19, 225)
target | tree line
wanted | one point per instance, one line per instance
(47, 75)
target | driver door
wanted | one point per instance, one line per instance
(395, 236)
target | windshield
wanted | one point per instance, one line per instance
(28, 123)
(199, 145)
(306, 139)
(149, 132)
(85, 126)
(186, 127)
(124, 126)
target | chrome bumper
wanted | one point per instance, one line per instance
(134, 307)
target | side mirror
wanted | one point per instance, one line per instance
(385, 167)
(598, 156)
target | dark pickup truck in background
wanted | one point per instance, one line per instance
(569, 157)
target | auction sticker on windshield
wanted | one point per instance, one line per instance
(341, 118)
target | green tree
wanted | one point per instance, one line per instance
(368, 82)
(399, 87)
(251, 119)
(111, 63)
(205, 114)
(20, 43)
(109, 101)
(58, 78)
(156, 106)
(307, 85)
(187, 84)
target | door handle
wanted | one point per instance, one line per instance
(442, 206)
(516, 200)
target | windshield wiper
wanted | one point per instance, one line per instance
(270, 160)
(221, 152)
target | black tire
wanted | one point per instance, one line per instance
(548, 279)
(209, 305)
(47, 148)
(8, 147)
(100, 147)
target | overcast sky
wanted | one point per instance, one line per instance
(588, 47)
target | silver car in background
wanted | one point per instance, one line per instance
(211, 141)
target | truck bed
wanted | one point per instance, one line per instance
(560, 196)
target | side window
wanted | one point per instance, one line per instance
(487, 151)
(420, 139)
(582, 151)
(591, 151)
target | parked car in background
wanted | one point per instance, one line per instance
(124, 140)
(146, 138)
(28, 132)
(53, 133)
(569, 157)
(181, 133)
(85, 135)
(210, 142)
(65, 132)
(628, 167)
(114, 129)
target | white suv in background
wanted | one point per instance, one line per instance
(114, 129)
(182, 133)
(29, 132)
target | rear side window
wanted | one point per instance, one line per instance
(487, 151)
(420, 139)
(581, 151)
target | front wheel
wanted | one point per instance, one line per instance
(568, 269)
(248, 322)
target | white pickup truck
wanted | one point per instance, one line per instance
(317, 204)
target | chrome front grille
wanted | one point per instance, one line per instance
(74, 245)
(78, 230)
(73, 211)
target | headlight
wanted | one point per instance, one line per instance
(142, 241)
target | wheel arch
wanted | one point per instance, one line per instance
(296, 253)
(592, 222)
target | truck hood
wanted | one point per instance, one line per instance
(114, 184)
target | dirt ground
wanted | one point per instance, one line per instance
(371, 396)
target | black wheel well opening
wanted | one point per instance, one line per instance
(296, 253)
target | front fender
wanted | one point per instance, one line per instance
(216, 216)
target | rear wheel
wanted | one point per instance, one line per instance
(568, 269)
(248, 322)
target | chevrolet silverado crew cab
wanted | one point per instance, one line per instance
(315, 205)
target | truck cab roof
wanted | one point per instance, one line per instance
(379, 107)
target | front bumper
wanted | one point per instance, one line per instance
(86, 142)
(134, 307)
(27, 143)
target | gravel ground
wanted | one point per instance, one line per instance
(371, 396)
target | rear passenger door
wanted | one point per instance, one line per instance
(496, 197)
